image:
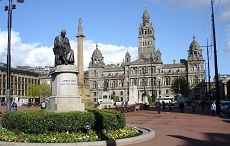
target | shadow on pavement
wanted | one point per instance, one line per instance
(227, 121)
(213, 139)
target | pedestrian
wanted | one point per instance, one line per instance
(43, 105)
(170, 106)
(203, 105)
(193, 107)
(181, 104)
(158, 106)
(213, 108)
(13, 106)
(163, 106)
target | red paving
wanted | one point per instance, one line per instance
(182, 129)
(178, 129)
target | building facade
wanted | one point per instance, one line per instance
(224, 84)
(148, 72)
(20, 80)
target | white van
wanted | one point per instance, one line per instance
(166, 100)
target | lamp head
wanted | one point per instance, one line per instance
(20, 1)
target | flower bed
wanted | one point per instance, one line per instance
(46, 127)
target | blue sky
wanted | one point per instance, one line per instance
(113, 24)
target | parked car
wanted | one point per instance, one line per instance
(225, 107)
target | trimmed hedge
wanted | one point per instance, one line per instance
(109, 119)
(41, 122)
(46, 122)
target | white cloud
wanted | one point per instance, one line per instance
(112, 54)
(34, 54)
(226, 16)
(227, 39)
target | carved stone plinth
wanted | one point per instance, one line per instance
(65, 90)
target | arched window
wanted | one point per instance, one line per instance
(135, 81)
(143, 70)
(167, 81)
(95, 84)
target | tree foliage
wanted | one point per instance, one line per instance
(33, 90)
(181, 86)
(150, 99)
(45, 90)
(42, 90)
(115, 98)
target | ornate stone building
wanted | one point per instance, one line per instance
(20, 80)
(148, 73)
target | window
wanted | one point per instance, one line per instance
(166, 91)
(95, 84)
(121, 93)
(167, 81)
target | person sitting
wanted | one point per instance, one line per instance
(63, 53)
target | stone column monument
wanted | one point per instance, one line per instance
(80, 63)
(64, 79)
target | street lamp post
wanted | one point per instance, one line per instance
(152, 77)
(127, 83)
(159, 89)
(209, 84)
(215, 61)
(9, 8)
(144, 81)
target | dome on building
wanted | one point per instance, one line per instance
(194, 45)
(97, 53)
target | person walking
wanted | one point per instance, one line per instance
(213, 108)
(181, 104)
(203, 105)
(158, 106)
(193, 107)
(170, 106)
(163, 106)
(43, 105)
(13, 107)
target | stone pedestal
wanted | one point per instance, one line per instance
(65, 90)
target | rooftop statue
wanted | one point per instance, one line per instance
(63, 53)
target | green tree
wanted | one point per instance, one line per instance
(150, 99)
(180, 86)
(33, 90)
(114, 98)
(42, 90)
(45, 90)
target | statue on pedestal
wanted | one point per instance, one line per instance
(63, 53)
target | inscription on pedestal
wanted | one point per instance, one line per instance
(69, 82)
(68, 86)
